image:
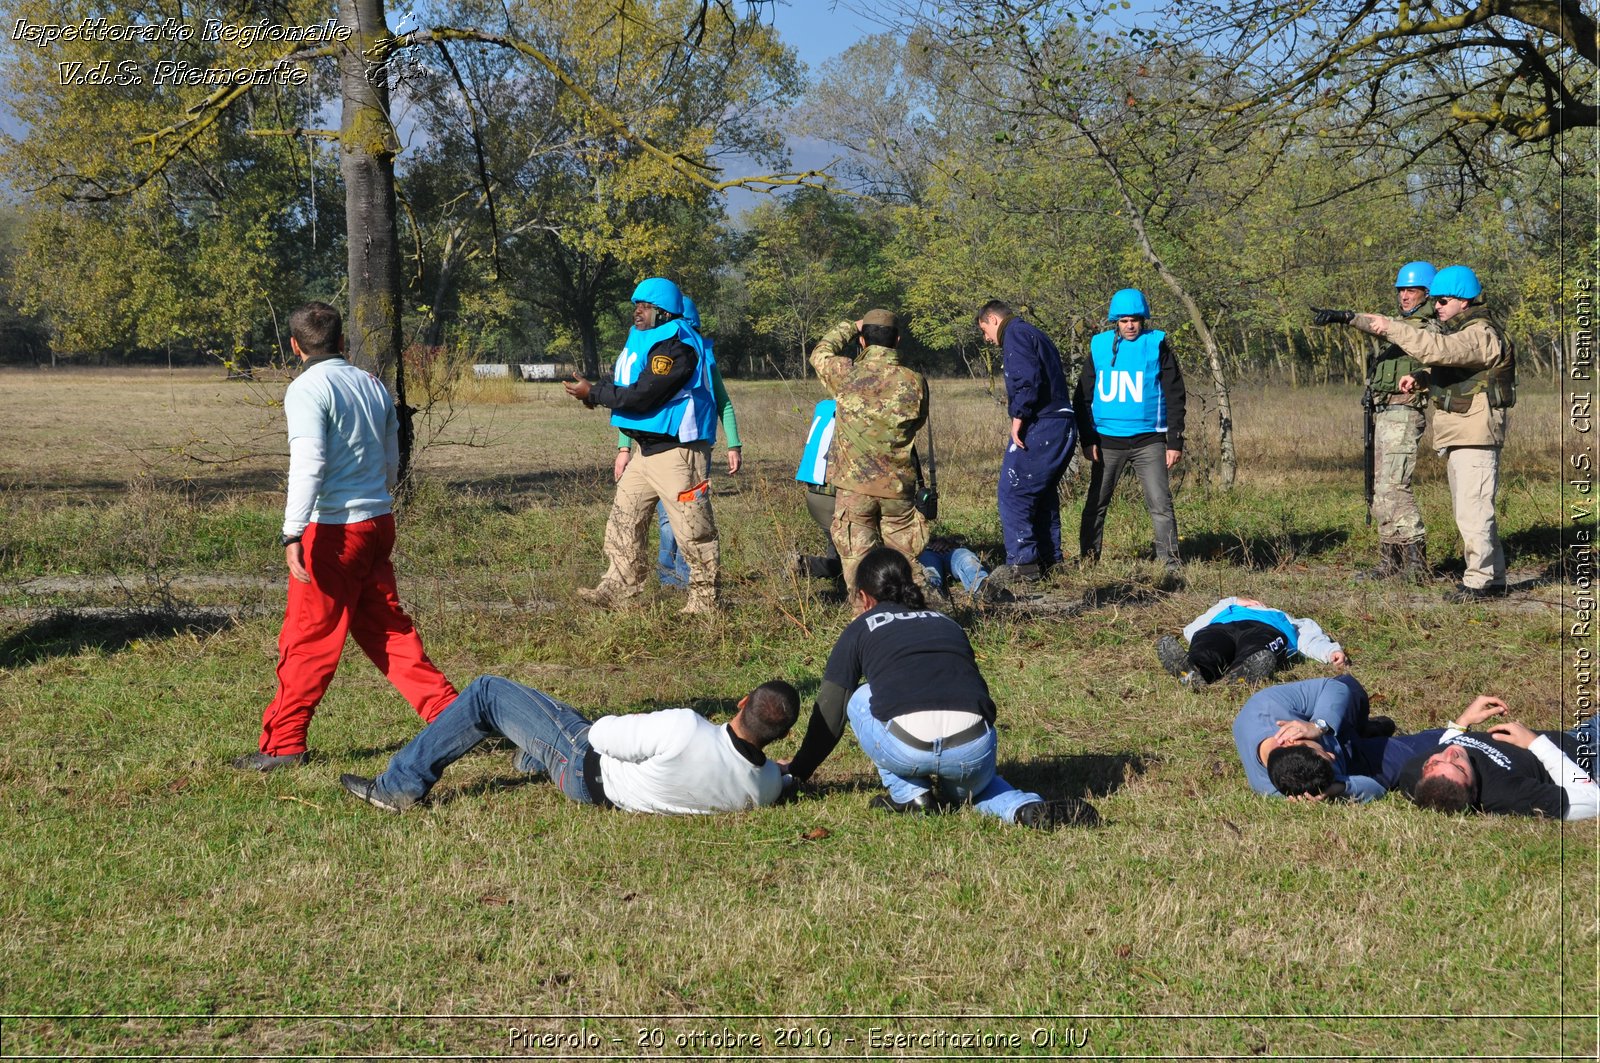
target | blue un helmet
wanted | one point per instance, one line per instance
(1456, 282)
(1414, 275)
(1129, 302)
(691, 313)
(658, 291)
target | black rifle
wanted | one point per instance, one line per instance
(1369, 410)
(926, 498)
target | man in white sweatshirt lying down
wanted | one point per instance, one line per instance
(674, 761)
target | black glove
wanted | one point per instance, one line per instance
(1332, 317)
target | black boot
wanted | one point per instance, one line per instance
(1414, 562)
(1390, 563)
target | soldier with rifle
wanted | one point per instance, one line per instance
(1469, 367)
(1394, 425)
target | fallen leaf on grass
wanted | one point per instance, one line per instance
(815, 834)
(494, 900)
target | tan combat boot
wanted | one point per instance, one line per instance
(702, 601)
(609, 595)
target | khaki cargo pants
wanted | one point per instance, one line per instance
(861, 522)
(678, 477)
(1474, 478)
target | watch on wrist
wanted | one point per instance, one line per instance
(1322, 725)
(287, 541)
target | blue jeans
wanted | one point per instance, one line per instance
(671, 565)
(553, 738)
(1588, 735)
(962, 563)
(964, 772)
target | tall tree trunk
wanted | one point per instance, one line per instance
(589, 337)
(368, 146)
(1228, 465)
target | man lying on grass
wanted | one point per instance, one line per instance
(1510, 769)
(674, 761)
(1314, 740)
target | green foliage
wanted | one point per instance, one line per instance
(579, 212)
(814, 259)
(204, 258)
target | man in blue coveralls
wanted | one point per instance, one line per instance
(1042, 434)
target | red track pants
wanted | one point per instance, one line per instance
(352, 591)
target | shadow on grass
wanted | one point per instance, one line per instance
(394, 747)
(441, 797)
(66, 632)
(1121, 593)
(1540, 542)
(1263, 551)
(1053, 778)
(1081, 775)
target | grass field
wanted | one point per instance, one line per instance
(156, 902)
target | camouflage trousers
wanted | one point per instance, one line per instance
(678, 477)
(861, 522)
(1396, 434)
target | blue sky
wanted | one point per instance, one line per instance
(819, 29)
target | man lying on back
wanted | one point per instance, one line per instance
(674, 761)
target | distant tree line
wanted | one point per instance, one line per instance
(1046, 158)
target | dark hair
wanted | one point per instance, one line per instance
(317, 327)
(886, 575)
(1296, 770)
(771, 710)
(996, 307)
(1441, 794)
(881, 335)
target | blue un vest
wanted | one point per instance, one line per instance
(814, 462)
(689, 416)
(1127, 399)
(1276, 618)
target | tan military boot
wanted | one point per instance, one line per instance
(702, 601)
(609, 595)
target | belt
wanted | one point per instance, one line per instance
(822, 489)
(593, 780)
(960, 738)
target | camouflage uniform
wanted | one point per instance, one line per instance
(1397, 426)
(1470, 370)
(881, 406)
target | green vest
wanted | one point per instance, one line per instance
(1392, 363)
(1453, 387)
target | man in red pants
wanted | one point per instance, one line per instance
(338, 531)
